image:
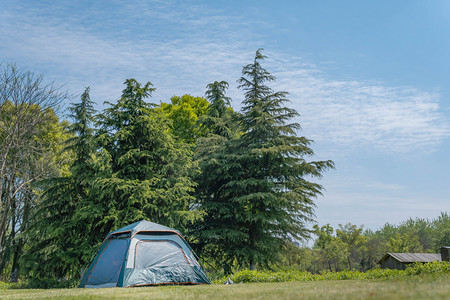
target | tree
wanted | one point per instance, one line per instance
(405, 242)
(184, 112)
(423, 229)
(297, 257)
(373, 250)
(332, 249)
(61, 236)
(441, 231)
(149, 170)
(352, 236)
(263, 196)
(30, 135)
(220, 119)
(220, 125)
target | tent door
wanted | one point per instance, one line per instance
(108, 266)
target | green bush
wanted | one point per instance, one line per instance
(34, 283)
(13, 285)
(52, 283)
(294, 275)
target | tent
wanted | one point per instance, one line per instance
(143, 253)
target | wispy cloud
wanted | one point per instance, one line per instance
(355, 114)
(180, 48)
(84, 56)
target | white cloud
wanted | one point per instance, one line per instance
(343, 114)
(83, 56)
(355, 114)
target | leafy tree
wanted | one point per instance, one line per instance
(325, 235)
(423, 229)
(373, 250)
(387, 231)
(406, 242)
(335, 253)
(184, 112)
(332, 249)
(263, 196)
(441, 231)
(30, 136)
(295, 257)
(352, 236)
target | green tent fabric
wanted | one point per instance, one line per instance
(143, 253)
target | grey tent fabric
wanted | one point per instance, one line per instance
(158, 254)
(144, 253)
(143, 225)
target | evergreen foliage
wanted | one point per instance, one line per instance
(220, 119)
(239, 184)
(149, 170)
(262, 197)
(131, 169)
(61, 236)
(220, 124)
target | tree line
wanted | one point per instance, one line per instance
(237, 184)
(351, 247)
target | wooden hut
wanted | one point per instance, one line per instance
(401, 260)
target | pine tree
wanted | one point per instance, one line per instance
(262, 195)
(61, 236)
(220, 123)
(218, 119)
(150, 170)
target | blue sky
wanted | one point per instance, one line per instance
(370, 79)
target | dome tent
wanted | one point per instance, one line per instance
(143, 253)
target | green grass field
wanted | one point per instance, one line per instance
(415, 287)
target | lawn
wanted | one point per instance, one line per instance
(415, 287)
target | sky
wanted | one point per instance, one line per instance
(370, 79)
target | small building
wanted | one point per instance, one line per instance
(399, 261)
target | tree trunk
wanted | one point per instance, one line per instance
(252, 247)
(15, 262)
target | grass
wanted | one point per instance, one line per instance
(430, 286)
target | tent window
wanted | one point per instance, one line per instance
(109, 264)
(158, 253)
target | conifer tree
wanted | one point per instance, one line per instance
(218, 119)
(220, 123)
(262, 195)
(149, 169)
(61, 236)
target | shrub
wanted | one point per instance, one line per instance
(13, 285)
(295, 275)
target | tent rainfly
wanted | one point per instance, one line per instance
(143, 253)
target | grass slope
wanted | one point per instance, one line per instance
(415, 287)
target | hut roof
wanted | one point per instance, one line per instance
(413, 257)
